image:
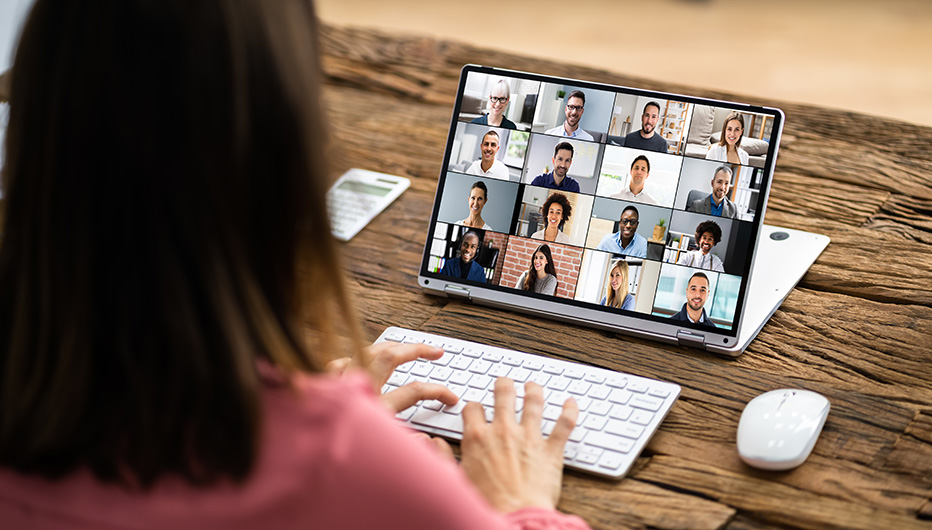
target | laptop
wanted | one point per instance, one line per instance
(617, 208)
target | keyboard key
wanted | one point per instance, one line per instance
(552, 412)
(620, 412)
(558, 398)
(438, 420)
(404, 368)
(595, 423)
(480, 381)
(453, 347)
(397, 379)
(610, 460)
(600, 408)
(455, 409)
(559, 383)
(460, 378)
(421, 368)
(578, 434)
(461, 363)
(435, 343)
(637, 387)
(616, 381)
(619, 396)
(492, 356)
(479, 366)
(394, 336)
(595, 378)
(579, 387)
(412, 340)
(533, 364)
(574, 373)
(519, 374)
(511, 359)
(625, 429)
(432, 404)
(499, 370)
(540, 378)
(552, 369)
(569, 452)
(642, 417)
(440, 373)
(610, 442)
(646, 403)
(473, 394)
(658, 392)
(599, 392)
(586, 458)
(472, 352)
(445, 360)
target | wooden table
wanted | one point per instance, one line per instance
(858, 328)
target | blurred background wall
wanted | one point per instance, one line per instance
(863, 55)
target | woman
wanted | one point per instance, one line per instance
(558, 211)
(541, 276)
(708, 234)
(728, 148)
(498, 102)
(478, 196)
(168, 306)
(616, 293)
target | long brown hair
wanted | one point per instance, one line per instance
(733, 116)
(165, 222)
(530, 278)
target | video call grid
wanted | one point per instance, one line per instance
(526, 177)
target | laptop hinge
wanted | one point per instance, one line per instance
(455, 291)
(690, 338)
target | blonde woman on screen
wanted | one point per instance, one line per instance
(616, 292)
(728, 149)
(168, 307)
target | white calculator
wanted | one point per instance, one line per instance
(357, 197)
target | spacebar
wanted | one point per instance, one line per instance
(438, 420)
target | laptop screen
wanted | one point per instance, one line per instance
(633, 209)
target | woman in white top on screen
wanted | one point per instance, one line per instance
(541, 276)
(478, 196)
(557, 211)
(708, 234)
(616, 293)
(728, 148)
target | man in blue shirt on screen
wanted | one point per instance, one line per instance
(558, 178)
(626, 241)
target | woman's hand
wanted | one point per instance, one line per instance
(380, 360)
(512, 465)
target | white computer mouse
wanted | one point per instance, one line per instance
(778, 429)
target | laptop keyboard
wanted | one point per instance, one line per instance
(618, 412)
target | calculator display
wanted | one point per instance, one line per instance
(362, 187)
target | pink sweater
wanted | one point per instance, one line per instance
(331, 457)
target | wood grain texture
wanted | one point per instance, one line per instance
(857, 329)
